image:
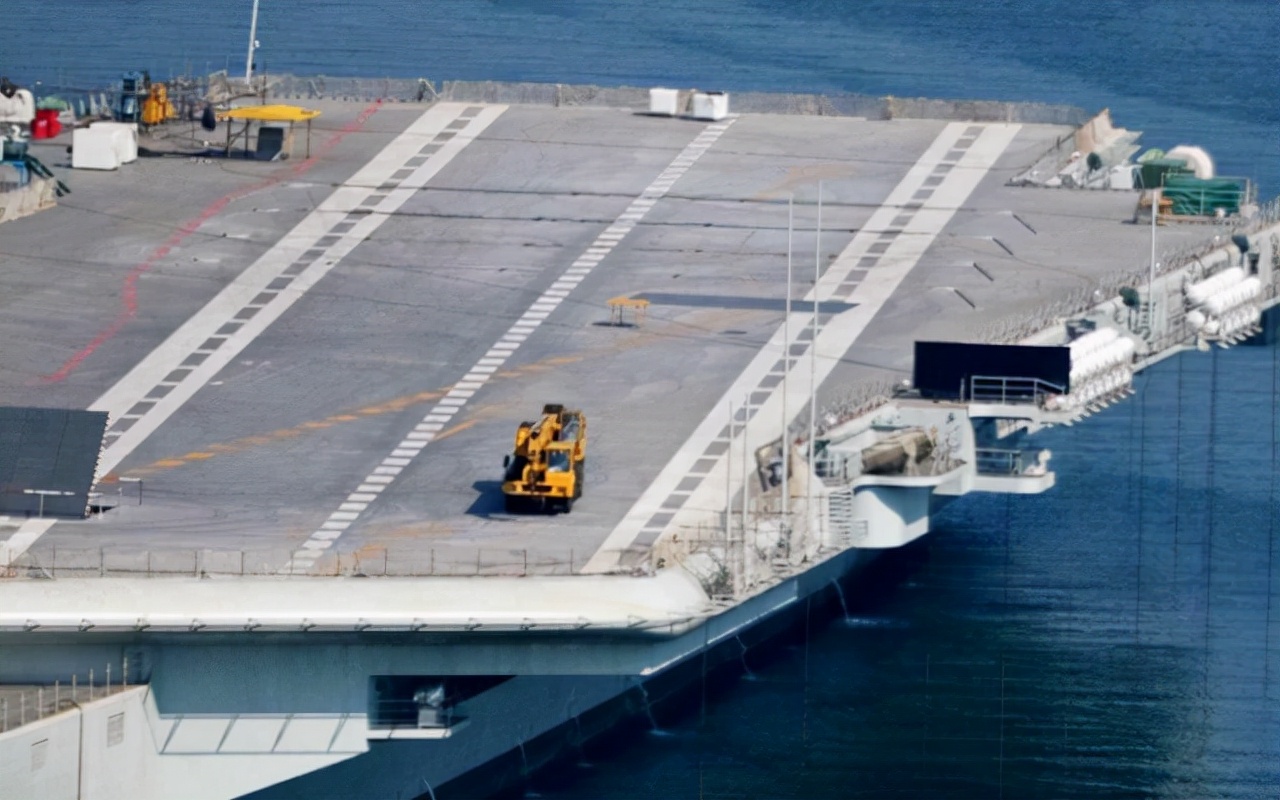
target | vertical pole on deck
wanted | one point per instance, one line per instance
(746, 490)
(253, 36)
(813, 372)
(728, 484)
(786, 371)
(1151, 273)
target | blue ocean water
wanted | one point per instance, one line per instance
(1116, 637)
(1184, 71)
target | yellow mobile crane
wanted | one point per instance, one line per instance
(546, 470)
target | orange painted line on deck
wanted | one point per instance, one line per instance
(389, 407)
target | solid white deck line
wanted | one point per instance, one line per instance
(506, 346)
(206, 322)
(834, 339)
(315, 603)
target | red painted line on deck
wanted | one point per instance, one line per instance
(129, 291)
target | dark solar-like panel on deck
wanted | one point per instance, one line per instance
(48, 449)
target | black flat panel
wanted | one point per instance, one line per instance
(941, 368)
(48, 449)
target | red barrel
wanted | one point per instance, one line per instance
(46, 125)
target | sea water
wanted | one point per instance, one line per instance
(1118, 636)
(1186, 72)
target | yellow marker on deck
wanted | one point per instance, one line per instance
(618, 308)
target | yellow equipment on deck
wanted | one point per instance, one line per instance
(547, 468)
(157, 108)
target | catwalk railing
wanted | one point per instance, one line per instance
(219, 87)
(409, 562)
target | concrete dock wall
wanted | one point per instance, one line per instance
(119, 748)
(95, 751)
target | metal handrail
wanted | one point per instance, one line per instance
(1011, 390)
(999, 461)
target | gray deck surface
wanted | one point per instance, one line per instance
(260, 456)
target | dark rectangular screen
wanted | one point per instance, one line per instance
(49, 450)
(943, 368)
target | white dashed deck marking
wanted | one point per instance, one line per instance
(539, 310)
(654, 514)
(312, 248)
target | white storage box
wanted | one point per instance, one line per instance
(1121, 176)
(664, 101)
(95, 148)
(126, 140)
(710, 105)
